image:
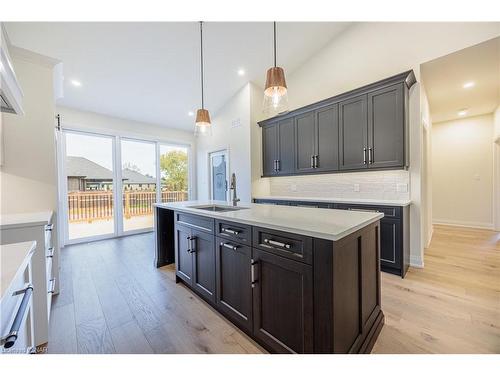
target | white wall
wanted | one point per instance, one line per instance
(463, 172)
(496, 166)
(235, 139)
(497, 124)
(367, 52)
(426, 171)
(28, 175)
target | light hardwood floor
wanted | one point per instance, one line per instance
(114, 301)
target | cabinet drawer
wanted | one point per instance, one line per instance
(195, 221)
(285, 244)
(234, 231)
(388, 211)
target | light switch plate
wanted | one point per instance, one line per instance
(356, 187)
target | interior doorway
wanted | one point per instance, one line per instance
(219, 172)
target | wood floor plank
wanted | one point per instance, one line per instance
(62, 330)
(129, 339)
(93, 337)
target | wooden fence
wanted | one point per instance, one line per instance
(98, 205)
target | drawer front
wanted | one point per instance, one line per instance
(388, 211)
(194, 221)
(234, 231)
(288, 245)
(310, 204)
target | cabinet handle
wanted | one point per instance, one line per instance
(231, 231)
(277, 243)
(50, 252)
(278, 166)
(253, 281)
(370, 154)
(9, 340)
(364, 155)
(316, 163)
(52, 285)
(191, 247)
(362, 210)
(48, 228)
(312, 161)
(229, 246)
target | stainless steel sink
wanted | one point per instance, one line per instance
(218, 208)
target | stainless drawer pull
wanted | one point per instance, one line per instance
(49, 227)
(9, 340)
(276, 243)
(191, 247)
(364, 155)
(370, 153)
(253, 281)
(231, 231)
(52, 285)
(50, 252)
(229, 246)
(362, 210)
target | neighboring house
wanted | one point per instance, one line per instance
(84, 175)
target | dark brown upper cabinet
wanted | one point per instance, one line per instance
(366, 128)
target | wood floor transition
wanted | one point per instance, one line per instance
(113, 300)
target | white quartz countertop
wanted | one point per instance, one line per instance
(380, 202)
(29, 219)
(315, 222)
(14, 258)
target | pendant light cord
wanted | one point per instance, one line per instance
(201, 57)
(275, 44)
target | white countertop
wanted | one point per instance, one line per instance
(29, 219)
(14, 258)
(315, 222)
(380, 202)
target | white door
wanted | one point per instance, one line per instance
(219, 172)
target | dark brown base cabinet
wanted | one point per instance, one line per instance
(394, 230)
(315, 296)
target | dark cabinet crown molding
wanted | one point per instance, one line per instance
(408, 78)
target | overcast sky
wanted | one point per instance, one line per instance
(100, 151)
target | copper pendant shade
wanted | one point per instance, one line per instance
(203, 125)
(275, 92)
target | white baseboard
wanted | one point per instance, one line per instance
(416, 262)
(465, 224)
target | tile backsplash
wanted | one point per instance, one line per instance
(387, 185)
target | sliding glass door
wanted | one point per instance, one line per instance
(89, 185)
(109, 184)
(138, 184)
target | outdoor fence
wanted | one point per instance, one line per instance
(98, 205)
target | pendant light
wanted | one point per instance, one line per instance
(275, 93)
(203, 126)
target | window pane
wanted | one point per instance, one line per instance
(174, 173)
(139, 184)
(89, 175)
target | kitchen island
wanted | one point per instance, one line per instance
(295, 279)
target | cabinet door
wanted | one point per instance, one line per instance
(386, 127)
(327, 136)
(269, 149)
(390, 243)
(283, 303)
(305, 142)
(183, 258)
(286, 147)
(234, 289)
(203, 252)
(353, 128)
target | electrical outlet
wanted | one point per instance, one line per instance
(356, 187)
(402, 188)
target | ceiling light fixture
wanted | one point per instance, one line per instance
(468, 85)
(241, 72)
(76, 83)
(275, 92)
(203, 125)
(462, 112)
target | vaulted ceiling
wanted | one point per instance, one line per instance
(150, 72)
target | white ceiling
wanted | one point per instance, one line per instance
(444, 78)
(150, 72)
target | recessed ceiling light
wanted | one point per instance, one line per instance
(241, 72)
(191, 113)
(76, 83)
(462, 112)
(468, 85)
